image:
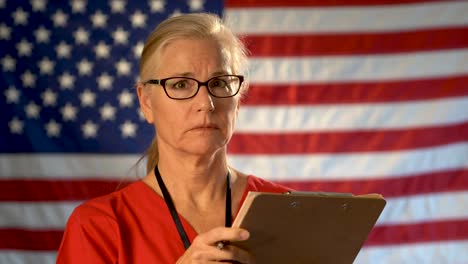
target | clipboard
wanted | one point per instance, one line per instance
(307, 227)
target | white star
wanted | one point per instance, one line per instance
(123, 67)
(137, 49)
(38, 5)
(81, 36)
(107, 112)
(196, 5)
(60, 18)
(125, 99)
(66, 81)
(87, 98)
(141, 115)
(24, 48)
(99, 19)
(128, 129)
(46, 66)
(63, 50)
(8, 63)
(117, 6)
(157, 5)
(105, 81)
(20, 17)
(49, 98)
(102, 50)
(5, 32)
(32, 110)
(78, 6)
(176, 13)
(12, 95)
(28, 79)
(68, 112)
(42, 35)
(53, 128)
(120, 36)
(84, 67)
(89, 129)
(138, 19)
(16, 126)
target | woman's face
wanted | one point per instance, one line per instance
(200, 125)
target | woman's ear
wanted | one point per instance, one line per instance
(144, 97)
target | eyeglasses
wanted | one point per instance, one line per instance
(180, 88)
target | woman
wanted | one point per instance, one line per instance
(182, 210)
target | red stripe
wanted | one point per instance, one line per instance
(418, 233)
(379, 236)
(316, 3)
(356, 92)
(76, 190)
(343, 142)
(432, 182)
(30, 239)
(355, 44)
(55, 190)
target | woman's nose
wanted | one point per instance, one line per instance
(204, 100)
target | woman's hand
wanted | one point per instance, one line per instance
(204, 248)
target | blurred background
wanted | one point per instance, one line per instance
(346, 96)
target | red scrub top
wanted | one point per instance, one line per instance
(132, 225)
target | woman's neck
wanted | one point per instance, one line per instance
(195, 180)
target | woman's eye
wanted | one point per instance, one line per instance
(180, 85)
(218, 83)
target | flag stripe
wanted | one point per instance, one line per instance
(316, 3)
(292, 20)
(435, 252)
(356, 92)
(336, 69)
(355, 117)
(28, 256)
(411, 233)
(75, 190)
(346, 141)
(420, 232)
(274, 167)
(399, 210)
(362, 43)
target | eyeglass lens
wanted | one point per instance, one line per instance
(221, 86)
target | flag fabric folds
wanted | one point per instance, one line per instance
(345, 96)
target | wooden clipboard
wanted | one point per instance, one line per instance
(307, 227)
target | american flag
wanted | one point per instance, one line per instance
(346, 96)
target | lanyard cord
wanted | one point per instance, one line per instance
(173, 211)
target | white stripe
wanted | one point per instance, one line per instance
(421, 253)
(30, 215)
(320, 69)
(25, 257)
(69, 166)
(369, 165)
(422, 208)
(410, 209)
(341, 117)
(346, 19)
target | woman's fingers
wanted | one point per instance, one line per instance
(221, 234)
(205, 249)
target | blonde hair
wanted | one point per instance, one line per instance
(190, 26)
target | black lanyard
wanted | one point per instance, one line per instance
(175, 216)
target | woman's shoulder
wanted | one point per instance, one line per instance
(108, 205)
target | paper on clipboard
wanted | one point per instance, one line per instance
(307, 227)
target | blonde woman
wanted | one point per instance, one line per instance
(191, 84)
